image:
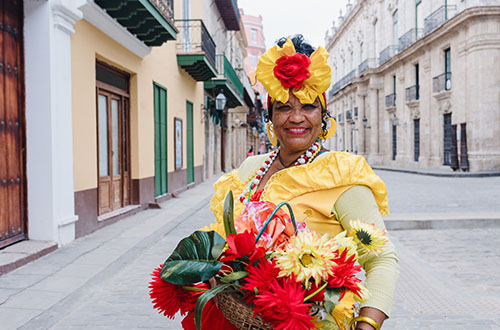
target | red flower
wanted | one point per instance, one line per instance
(259, 278)
(170, 298)
(242, 245)
(291, 71)
(283, 306)
(212, 318)
(279, 230)
(343, 274)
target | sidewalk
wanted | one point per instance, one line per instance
(39, 294)
(436, 172)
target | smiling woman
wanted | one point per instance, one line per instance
(329, 190)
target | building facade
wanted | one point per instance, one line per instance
(108, 107)
(254, 30)
(417, 83)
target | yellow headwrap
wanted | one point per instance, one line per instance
(313, 75)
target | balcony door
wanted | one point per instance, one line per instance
(113, 117)
(447, 143)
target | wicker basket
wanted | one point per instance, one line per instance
(238, 313)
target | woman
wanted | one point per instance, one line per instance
(329, 188)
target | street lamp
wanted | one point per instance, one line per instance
(220, 101)
(365, 121)
(395, 120)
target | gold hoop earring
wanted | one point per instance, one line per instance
(270, 134)
(325, 135)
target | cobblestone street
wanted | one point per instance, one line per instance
(448, 276)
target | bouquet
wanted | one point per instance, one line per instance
(283, 274)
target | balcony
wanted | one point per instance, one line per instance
(348, 115)
(195, 49)
(342, 83)
(230, 13)
(390, 101)
(438, 17)
(369, 63)
(355, 112)
(387, 53)
(341, 117)
(441, 83)
(151, 21)
(412, 93)
(409, 38)
(226, 81)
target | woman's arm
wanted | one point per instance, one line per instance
(382, 270)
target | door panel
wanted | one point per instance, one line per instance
(161, 175)
(116, 153)
(105, 196)
(190, 143)
(12, 200)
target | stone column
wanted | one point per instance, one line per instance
(49, 136)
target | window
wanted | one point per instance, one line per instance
(253, 35)
(418, 17)
(361, 52)
(447, 68)
(416, 139)
(417, 85)
(394, 88)
(395, 30)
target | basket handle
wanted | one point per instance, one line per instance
(271, 216)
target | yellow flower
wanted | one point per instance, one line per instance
(342, 241)
(314, 86)
(372, 239)
(308, 255)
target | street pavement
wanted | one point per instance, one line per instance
(448, 276)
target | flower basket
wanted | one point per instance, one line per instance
(238, 313)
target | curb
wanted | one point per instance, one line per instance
(437, 172)
(442, 224)
(24, 258)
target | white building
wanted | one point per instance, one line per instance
(416, 83)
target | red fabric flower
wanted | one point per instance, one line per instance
(343, 274)
(211, 318)
(283, 306)
(291, 71)
(242, 245)
(259, 279)
(170, 298)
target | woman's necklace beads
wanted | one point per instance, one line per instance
(306, 157)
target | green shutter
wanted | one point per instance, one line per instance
(190, 147)
(161, 171)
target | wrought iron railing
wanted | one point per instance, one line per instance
(409, 38)
(369, 63)
(342, 82)
(390, 100)
(348, 115)
(412, 93)
(387, 53)
(224, 68)
(165, 7)
(438, 17)
(355, 112)
(442, 82)
(341, 117)
(195, 38)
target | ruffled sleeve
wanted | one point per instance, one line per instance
(330, 170)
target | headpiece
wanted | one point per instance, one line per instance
(282, 68)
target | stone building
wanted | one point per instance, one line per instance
(416, 83)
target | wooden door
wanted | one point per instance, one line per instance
(12, 179)
(113, 149)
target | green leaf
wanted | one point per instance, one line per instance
(194, 259)
(228, 214)
(202, 301)
(234, 276)
(332, 296)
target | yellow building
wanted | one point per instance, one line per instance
(111, 107)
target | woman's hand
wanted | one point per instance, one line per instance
(372, 313)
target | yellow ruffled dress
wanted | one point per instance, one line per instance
(323, 188)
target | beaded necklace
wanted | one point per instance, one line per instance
(254, 180)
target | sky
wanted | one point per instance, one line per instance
(281, 18)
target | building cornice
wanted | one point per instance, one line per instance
(347, 22)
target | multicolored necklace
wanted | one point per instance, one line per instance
(306, 157)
